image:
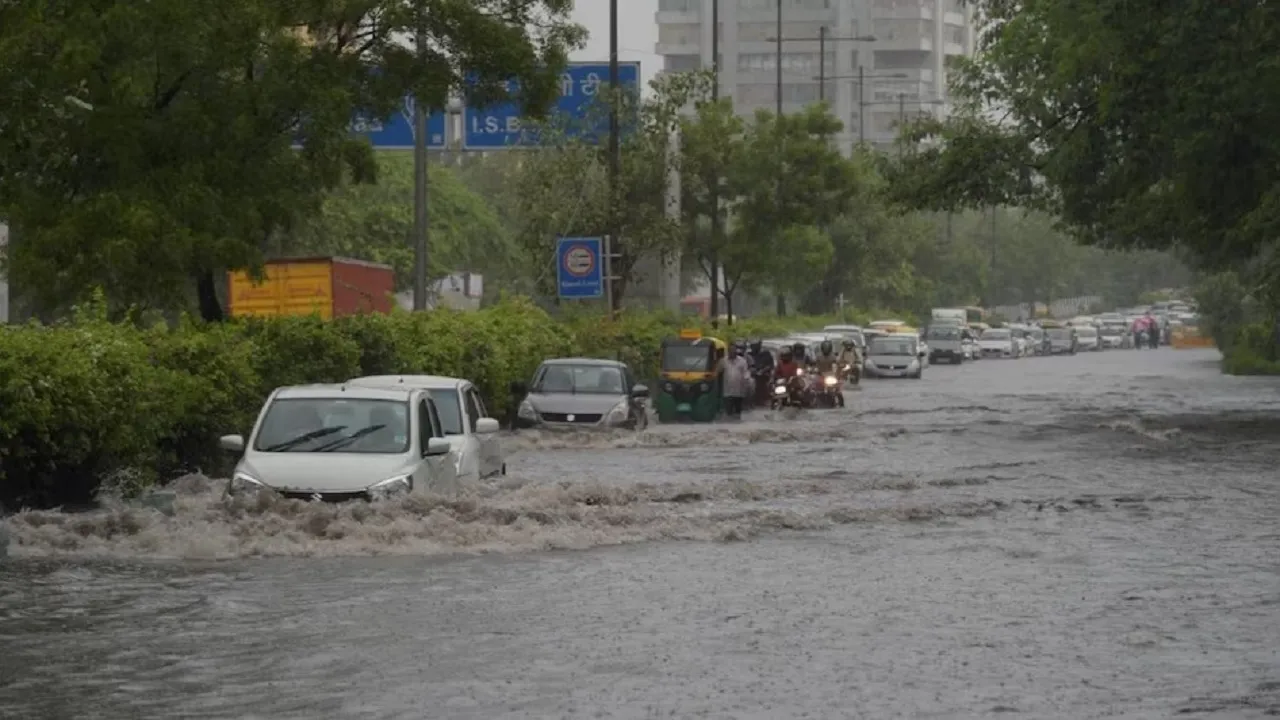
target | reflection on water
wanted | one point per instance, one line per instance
(1061, 537)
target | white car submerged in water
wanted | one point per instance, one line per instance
(334, 442)
(471, 433)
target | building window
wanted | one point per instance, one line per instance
(954, 6)
(903, 29)
(756, 94)
(683, 34)
(693, 6)
(955, 35)
(683, 63)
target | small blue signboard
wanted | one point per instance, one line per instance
(396, 132)
(580, 267)
(499, 126)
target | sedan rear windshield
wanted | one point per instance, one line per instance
(892, 346)
(996, 335)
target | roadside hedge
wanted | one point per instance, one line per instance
(89, 401)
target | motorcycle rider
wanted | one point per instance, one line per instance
(848, 356)
(761, 370)
(826, 360)
(801, 353)
(786, 370)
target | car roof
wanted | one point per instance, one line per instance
(842, 328)
(342, 390)
(428, 382)
(583, 361)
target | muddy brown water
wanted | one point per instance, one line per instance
(1092, 536)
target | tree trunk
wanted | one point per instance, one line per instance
(207, 294)
(728, 302)
(781, 304)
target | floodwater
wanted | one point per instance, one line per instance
(1069, 537)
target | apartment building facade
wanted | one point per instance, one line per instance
(903, 69)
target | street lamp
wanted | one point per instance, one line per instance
(822, 39)
(861, 78)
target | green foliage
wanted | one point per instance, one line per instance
(1242, 324)
(89, 400)
(1136, 129)
(374, 221)
(144, 145)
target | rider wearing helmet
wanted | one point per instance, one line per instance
(801, 353)
(826, 361)
(787, 366)
(848, 354)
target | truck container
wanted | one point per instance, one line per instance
(326, 286)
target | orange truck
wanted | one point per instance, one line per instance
(326, 286)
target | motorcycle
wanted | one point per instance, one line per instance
(789, 392)
(832, 393)
(763, 378)
(1142, 339)
(852, 373)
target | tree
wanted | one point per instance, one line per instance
(1134, 129)
(711, 142)
(562, 188)
(373, 221)
(148, 144)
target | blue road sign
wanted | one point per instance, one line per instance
(499, 126)
(580, 267)
(396, 132)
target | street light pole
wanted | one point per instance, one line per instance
(420, 227)
(715, 188)
(780, 300)
(615, 148)
(862, 107)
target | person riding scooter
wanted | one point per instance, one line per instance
(761, 372)
(848, 362)
(828, 363)
(788, 371)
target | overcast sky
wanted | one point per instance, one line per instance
(637, 33)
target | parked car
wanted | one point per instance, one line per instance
(1060, 340)
(337, 442)
(1115, 335)
(471, 432)
(998, 342)
(895, 355)
(582, 393)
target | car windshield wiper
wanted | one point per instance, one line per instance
(343, 442)
(310, 435)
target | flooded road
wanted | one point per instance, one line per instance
(1092, 536)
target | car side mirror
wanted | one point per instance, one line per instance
(517, 387)
(436, 447)
(231, 443)
(640, 391)
(487, 426)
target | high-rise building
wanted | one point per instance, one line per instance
(899, 49)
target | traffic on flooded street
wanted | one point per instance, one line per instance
(1065, 537)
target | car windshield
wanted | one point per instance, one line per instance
(589, 379)
(687, 358)
(1111, 329)
(887, 345)
(943, 333)
(1059, 333)
(996, 335)
(334, 425)
(449, 405)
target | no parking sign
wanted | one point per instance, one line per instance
(580, 267)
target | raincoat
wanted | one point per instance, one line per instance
(737, 376)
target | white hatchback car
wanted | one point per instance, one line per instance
(470, 431)
(334, 442)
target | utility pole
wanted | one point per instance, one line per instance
(420, 216)
(713, 256)
(615, 148)
(780, 299)
(822, 63)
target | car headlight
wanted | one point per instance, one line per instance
(526, 411)
(242, 483)
(391, 487)
(704, 387)
(779, 390)
(868, 363)
(619, 411)
(668, 387)
(829, 380)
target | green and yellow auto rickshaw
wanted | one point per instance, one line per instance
(689, 390)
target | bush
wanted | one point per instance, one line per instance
(1253, 351)
(88, 400)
